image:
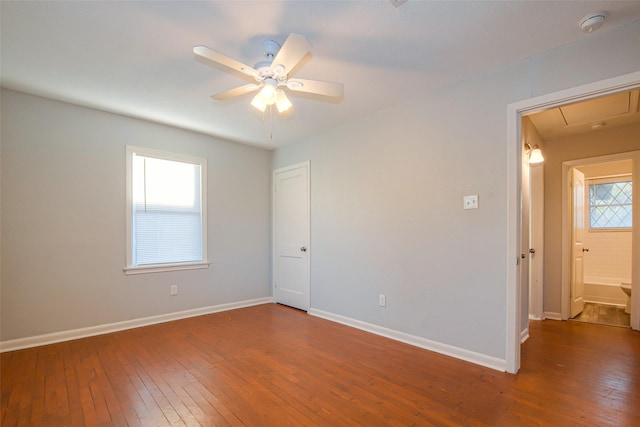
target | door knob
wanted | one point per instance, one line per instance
(303, 249)
(585, 249)
(532, 251)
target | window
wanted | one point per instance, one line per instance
(166, 211)
(610, 204)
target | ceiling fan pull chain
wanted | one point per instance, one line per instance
(270, 121)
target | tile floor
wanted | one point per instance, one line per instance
(603, 314)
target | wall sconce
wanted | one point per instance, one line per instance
(535, 155)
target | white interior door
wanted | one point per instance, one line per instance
(524, 249)
(577, 240)
(291, 235)
(536, 259)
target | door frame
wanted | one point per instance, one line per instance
(515, 112)
(306, 164)
(567, 167)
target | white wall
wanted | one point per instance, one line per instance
(387, 194)
(63, 220)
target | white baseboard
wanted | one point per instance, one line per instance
(21, 343)
(534, 317)
(446, 349)
(524, 335)
(552, 316)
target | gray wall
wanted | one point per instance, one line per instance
(63, 220)
(387, 194)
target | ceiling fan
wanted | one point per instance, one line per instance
(272, 75)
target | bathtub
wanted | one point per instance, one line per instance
(605, 290)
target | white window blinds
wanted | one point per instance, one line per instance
(167, 212)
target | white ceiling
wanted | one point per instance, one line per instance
(136, 58)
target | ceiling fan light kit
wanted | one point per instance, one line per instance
(261, 101)
(268, 91)
(282, 102)
(272, 75)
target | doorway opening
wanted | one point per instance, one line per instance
(516, 320)
(598, 222)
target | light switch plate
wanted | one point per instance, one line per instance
(471, 201)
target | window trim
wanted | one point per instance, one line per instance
(611, 179)
(165, 155)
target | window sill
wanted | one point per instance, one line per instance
(158, 268)
(607, 230)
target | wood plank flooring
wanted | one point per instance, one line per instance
(271, 365)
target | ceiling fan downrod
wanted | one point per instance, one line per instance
(271, 48)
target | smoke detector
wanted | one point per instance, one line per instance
(592, 22)
(397, 3)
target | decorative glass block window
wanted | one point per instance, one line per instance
(166, 211)
(610, 204)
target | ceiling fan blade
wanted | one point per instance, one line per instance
(219, 58)
(231, 93)
(292, 51)
(334, 90)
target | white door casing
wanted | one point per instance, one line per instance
(291, 235)
(577, 241)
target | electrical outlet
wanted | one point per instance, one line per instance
(382, 300)
(471, 202)
(174, 290)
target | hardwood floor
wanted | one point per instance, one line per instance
(271, 365)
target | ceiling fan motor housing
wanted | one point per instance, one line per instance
(271, 49)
